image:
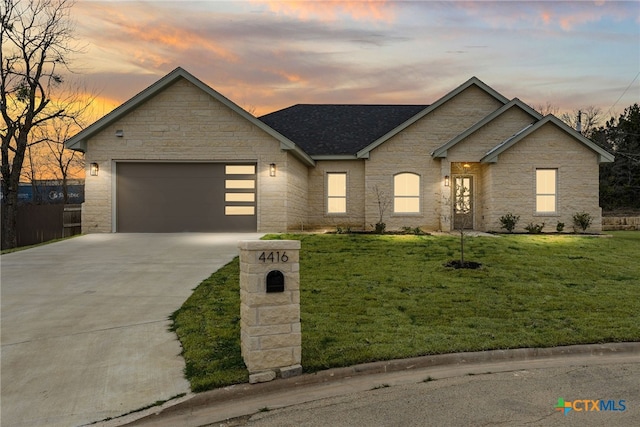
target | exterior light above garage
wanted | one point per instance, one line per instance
(272, 169)
(93, 170)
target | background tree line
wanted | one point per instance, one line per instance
(620, 180)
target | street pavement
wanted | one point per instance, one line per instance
(525, 397)
(85, 323)
(504, 387)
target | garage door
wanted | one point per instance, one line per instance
(185, 197)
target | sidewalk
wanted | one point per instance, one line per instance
(237, 403)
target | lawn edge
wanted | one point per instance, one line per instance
(245, 390)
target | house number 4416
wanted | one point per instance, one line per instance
(273, 257)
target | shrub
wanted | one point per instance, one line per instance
(509, 221)
(534, 228)
(560, 227)
(582, 220)
(380, 227)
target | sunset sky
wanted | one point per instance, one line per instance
(267, 55)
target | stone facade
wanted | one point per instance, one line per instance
(318, 218)
(184, 124)
(270, 321)
(410, 151)
(513, 179)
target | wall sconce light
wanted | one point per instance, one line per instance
(272, 169)
(93, 170)
(119, 133)
(446, 180)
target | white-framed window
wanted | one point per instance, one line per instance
(546, 190)
(336, 192)
(406, 193)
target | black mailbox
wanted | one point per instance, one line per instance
(275, 281)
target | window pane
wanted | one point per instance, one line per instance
(406, 184)
(337, 184)
(239, 183)
(406, 190)
(337, 205)
(407, 205)
(239, 210)
(240, 197)
(546, 203)
(546, 181)
(240, 169)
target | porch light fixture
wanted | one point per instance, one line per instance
(93, 170)
(466, 166)
(446, 180)
(272, 169)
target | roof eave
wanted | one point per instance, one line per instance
(288, 145)
(492, 156)
(364, 153)
(319, 157)
(441, 152)
(79, 141)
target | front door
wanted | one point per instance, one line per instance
(463, 202)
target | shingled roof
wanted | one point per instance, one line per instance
(329, 129)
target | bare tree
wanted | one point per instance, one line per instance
(383, 202)
(588, 117)
(61, 161)
(36, 38)
(548, 108)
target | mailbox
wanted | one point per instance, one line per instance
(275, 281)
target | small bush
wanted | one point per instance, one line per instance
(582, 220)
(343, 230)
(560, 227)
(380, 227)
(509, 221)
(534, 228)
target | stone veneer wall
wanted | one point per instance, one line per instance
(297, 194)
(611, 223)
(182, 123)
(271, 339)
(410, 151)
(318, 218)
(473, 148)
(514, 185)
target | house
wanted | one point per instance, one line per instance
(179, 156)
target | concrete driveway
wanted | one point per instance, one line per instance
(84, 323)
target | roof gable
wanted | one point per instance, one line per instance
(492, 155)
(441, 151)
(338, 130)
(79, 141)
(474, 81)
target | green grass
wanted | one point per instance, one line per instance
(22, 248)
(366, 298)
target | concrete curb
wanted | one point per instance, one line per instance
(243, 391)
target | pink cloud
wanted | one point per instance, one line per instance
(361, 10)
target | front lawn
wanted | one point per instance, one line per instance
(366, 298)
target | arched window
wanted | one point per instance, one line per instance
(406, 193)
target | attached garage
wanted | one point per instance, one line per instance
(185, 197)
(180, 157)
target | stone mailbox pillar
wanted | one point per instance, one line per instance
(270, 308)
